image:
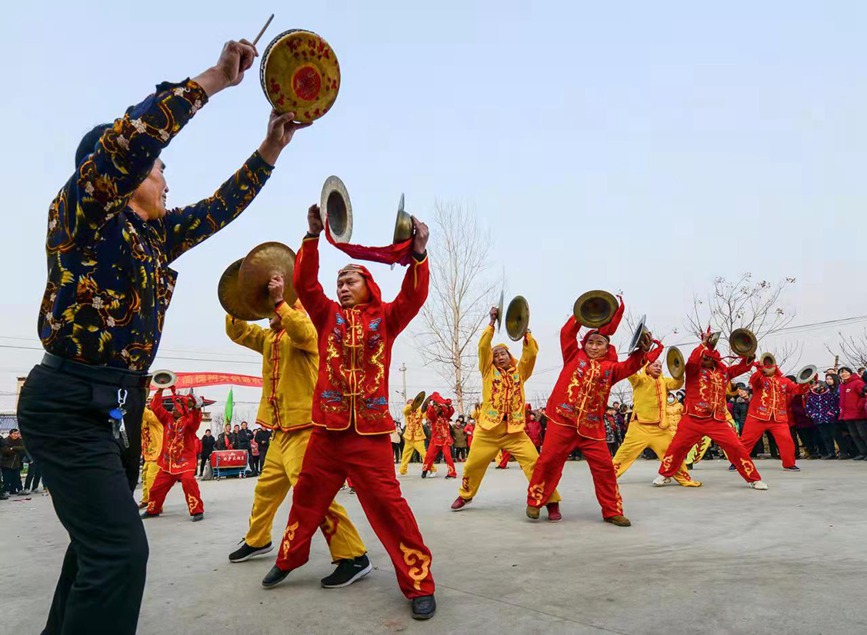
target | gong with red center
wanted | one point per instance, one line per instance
(300, 74)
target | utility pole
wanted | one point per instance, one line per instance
(402, 370)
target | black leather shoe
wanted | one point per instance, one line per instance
(423, 608)
(148, 515)
(424, 473)
(274, 577)
(198, 517)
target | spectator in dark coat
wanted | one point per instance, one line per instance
(208, 445)
(263, 438)
(11, 460)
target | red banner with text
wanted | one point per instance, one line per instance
(195, 380)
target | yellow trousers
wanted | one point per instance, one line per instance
(640, 436)
(149, 472)
(280, 472)
(408, 448)
(486, 444)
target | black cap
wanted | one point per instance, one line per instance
(87, 146)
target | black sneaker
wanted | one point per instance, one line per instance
(245, 552)
(347, 572)
(197, 517)
(274, 577)
(146, 514)
(423, 608)
(794, 468)
(424, 473)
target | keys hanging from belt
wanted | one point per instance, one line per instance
(115, 418)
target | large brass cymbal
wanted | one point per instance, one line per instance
(336, 209)
(674, 361)
(768, 360)
(806, 374)
(517, 318)
(229, 294)
(418, 401)
(595, 308)
(743, 342)
(263, 262)
(639, 333)
(403, 228)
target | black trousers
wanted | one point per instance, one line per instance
(34, 475)
(64, 421)
(263, 451)
(203, 461)
(858, 432)
(844, 440)
(12, 480)
(826, 439)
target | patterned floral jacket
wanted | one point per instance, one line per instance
(439, 413)
(414, 430)
(180, 443)
(109, 282)
(355, 344)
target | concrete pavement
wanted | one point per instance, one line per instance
(719, 559)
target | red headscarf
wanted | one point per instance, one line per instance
(400, 254)
(375, 292)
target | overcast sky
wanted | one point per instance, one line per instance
(632, 146)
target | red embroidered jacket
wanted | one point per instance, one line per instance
(706, 387)
(581, 394)
(773, 395)
(180, 443)
(355, 344)
(439, 413)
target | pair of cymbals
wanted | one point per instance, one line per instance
(243, 287)
(336, 211)
(517, 317)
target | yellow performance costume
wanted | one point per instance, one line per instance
(650, 426)
(290, 366)
(151, 446)
(413, 437)
(501, 418)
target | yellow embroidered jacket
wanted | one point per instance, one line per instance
(151, 436)
(290, 361)
(649, 397)
(414, 430)
(503, 392)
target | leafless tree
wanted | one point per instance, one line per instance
(461, 292)
(852, 348)
(756, 306)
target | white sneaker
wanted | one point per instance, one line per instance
(431, 474)
(661, 481)
(759, 485)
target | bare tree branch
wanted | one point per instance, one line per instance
(742, 303)
(852, 348)
(460, 294)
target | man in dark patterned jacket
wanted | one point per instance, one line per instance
(109, 246)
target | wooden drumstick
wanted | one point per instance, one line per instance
(262, 32)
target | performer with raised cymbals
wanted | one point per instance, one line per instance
(707, 377)
(351, 437)
(290, 363)
(502, 416)
(577, 405)
(110, 246)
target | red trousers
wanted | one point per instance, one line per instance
(560, 442)
(754, 429)
(691, 430)
(504, 460)
(431, 455)
(164, 482)
(331, 458)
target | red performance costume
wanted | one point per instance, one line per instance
(177, 460)
(351, 438)
(769, 411)
(575, 416)
(439, 413)
(705, 415)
